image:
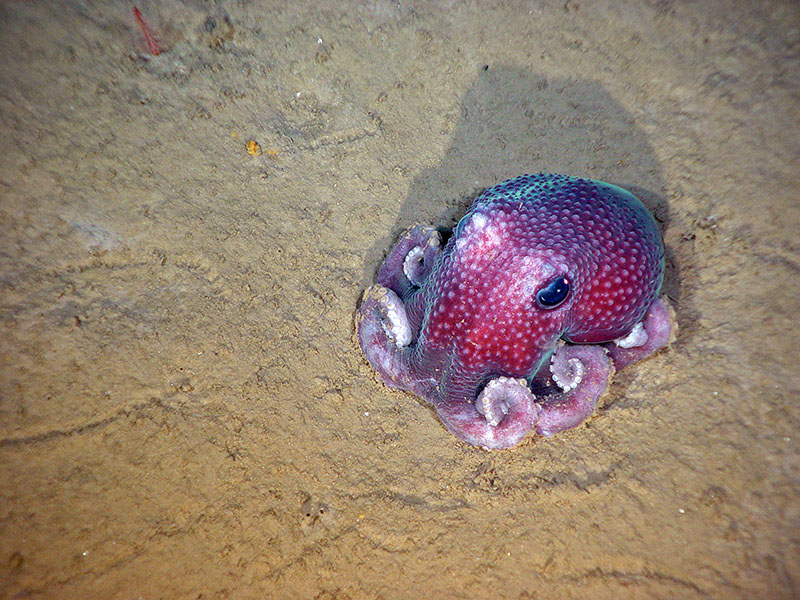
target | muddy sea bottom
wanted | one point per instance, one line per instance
(185, 237)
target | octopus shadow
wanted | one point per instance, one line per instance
(514, 122)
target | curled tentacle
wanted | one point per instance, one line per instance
(656, 330)
(503, 413)
(410, 261)
(384, 335)
(582, 373)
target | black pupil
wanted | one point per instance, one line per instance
(553, 293)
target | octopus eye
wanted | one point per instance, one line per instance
(553, 294)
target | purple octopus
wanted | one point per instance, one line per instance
(495, 329)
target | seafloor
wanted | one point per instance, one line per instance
(184, 412)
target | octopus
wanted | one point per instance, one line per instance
(516, 320)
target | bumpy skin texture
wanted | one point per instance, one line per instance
(475, 327)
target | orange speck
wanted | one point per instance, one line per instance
(253, 149)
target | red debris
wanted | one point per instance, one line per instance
(148, 37)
